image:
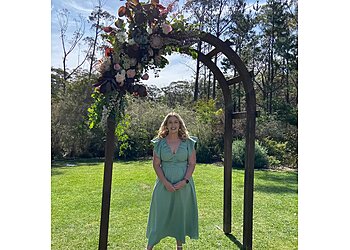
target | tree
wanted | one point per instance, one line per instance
(278, 45)
(242, 35)
(69, 46)
(198, 8)
(96, 17)
(177, 93)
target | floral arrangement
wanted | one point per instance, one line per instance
(134, 48)
(134, 52)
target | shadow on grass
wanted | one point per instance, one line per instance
(55, 171)
(234, 240)
(93, 162)
(290, 177)
(275, 189)
(76, 162)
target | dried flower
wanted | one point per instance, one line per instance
(150, 52)
(133, 62)
(156, 41)
(107, 29)
(117, 66)
(145, 77)
(157, 60)
(131, 73)
(122, 11)
(108, 51)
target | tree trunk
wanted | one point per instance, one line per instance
(214, 80)
(196, 83)
(95, 42)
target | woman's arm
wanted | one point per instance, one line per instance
(189, 171)
(160, 174)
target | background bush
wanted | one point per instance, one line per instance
(238, 155)
(72, 138)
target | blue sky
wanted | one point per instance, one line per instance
(179, 67)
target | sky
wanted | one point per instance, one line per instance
(180, 66)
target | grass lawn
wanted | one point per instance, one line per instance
(76, 193)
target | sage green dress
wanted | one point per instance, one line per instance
(173, 214)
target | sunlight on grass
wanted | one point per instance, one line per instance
(76, 207)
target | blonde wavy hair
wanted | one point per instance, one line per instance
(163, 130)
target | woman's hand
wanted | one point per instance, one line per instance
(180, 184)
(169, 187)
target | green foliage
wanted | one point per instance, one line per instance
(95, 110)
(207, 111)
(70, 134)
(280, 138)
(238, 155)
(287, 113)
(121, 135)
(209, 130)
(276, 151)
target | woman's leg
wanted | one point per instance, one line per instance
(149, 247)
(178, 245)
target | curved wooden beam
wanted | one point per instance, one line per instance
(250, 134)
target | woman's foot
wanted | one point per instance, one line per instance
(178, 247)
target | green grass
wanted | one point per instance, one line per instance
(76, 207)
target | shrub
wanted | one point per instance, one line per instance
(276, 151)
(238, 155)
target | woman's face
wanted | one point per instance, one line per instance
(173, 125)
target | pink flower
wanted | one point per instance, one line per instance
(164, 12)
(145, 77)
(117, 66)
(131, 73)
(166, 28)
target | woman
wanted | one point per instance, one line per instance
(173, 210)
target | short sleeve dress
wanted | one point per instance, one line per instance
(173, 214)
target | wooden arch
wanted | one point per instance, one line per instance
(250, 115)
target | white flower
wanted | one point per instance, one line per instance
(131, 41)
(121, 37)
(120, 77)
